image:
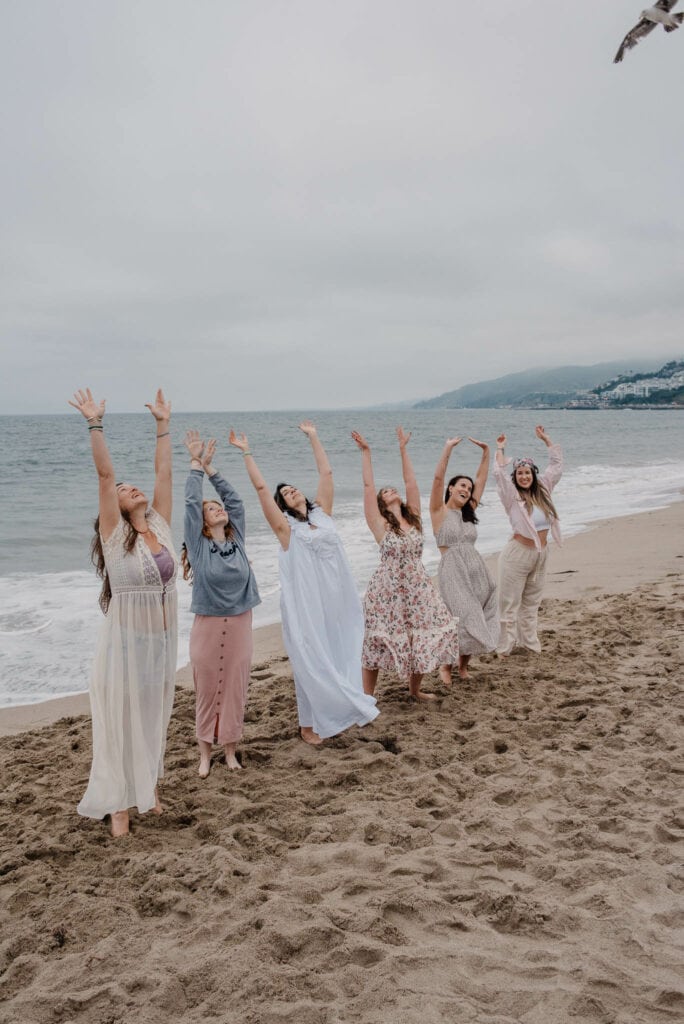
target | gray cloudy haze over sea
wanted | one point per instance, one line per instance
(265, 205)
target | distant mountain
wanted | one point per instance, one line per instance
(541, 386)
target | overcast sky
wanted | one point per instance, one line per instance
(304, 203)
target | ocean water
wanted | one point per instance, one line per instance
(616, 463)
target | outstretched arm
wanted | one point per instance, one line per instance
(193, 520)
(274, 517)
(93, 412)
(554, 470)
(437, 492)
(504, 485)
(162, 501)
(376, 523)
(501, 450)
(232, 502)
(482, 471)
(410, 482)
(326, 490)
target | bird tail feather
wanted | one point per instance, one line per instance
(679, 18)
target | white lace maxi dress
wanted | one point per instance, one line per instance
(323, 628)
(133, 679)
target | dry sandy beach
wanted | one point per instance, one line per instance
(511, 854)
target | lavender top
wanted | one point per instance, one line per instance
(165, 564)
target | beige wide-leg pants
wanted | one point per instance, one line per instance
(522, 572)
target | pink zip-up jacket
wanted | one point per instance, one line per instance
(520, 518)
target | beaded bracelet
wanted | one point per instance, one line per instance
(246, 453)
(96, 426)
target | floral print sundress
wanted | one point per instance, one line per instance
(408, 627)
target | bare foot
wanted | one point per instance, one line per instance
(157, 809)
(309, 736)
(445, 675)
(463, 666)
(120, 824)
(232, 762)
(421, 695)
(204, 767)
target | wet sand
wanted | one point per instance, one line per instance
(512, 853)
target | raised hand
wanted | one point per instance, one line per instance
(160, 408)
(360, 441)
(480, 444)
(307, 427)
(542, 435)
(403, 437)
(501, 440)
(451, 442)
(194, 444)
(209, 452)
(238, 441)
(87, 406)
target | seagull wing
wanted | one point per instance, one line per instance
(641, 29)
(665, 5)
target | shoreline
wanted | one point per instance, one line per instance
(588, 564)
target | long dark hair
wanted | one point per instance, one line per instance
(409, 515)
(284, 507)
(468, 510)
(228, 534)
(98, 559)
(537, 495)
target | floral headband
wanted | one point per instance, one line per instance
(517, 463)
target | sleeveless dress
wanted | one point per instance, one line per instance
(133, 679)
(408, 626)
(323, 627)
(467, 586)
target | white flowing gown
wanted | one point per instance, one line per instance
(323, 628)
(133, 679)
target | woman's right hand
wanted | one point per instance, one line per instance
(87, 406)
(207, 458)
(501, 440)
(194, 444)
(238, 441)
(451, 442)
(360, 441)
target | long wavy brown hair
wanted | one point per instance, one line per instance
(98, 559)
(409, 515)
(206, 532)
(536, 495)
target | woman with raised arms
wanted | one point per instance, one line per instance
(133, 678)
(321, 611)
(526, 497)
(465, 583)
(224, 592)
(409, 629)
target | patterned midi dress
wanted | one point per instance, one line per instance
(409, 629)
(467, 586)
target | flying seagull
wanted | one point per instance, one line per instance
(652, 16)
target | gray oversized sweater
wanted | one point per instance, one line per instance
(223, 581)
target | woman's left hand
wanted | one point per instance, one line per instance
(360, 441)
(160, 408)
(403, 437)
(307, 427)
(480, 444)
(542, 435)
